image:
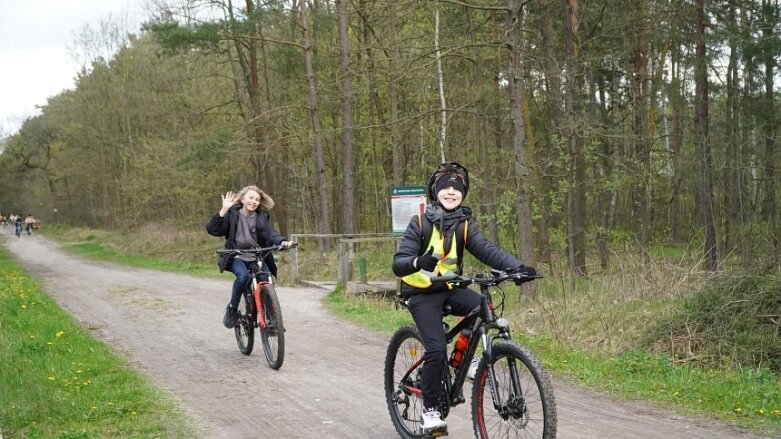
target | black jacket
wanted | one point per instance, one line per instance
(226, 226)
(476, 244)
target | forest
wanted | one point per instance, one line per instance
(586, 125)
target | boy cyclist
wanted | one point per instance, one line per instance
(417, 263)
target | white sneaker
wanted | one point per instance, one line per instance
(470, 374)
(431, 421)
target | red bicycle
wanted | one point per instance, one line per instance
(260, 308)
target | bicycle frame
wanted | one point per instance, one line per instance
(481, 321)
(256, 286)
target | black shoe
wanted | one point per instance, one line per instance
(231, 316)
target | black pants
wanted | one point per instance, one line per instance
(426, 310)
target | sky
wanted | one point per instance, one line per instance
(35, 60)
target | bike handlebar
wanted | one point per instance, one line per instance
(497, 277)
(255, 251)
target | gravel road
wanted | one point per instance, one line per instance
(170, 327)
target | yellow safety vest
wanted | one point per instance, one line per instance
(446, 267)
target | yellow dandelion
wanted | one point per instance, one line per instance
(677, 394)
(51, 378)
(761, 412)
(24, 306)
(59, 334)
(133, 413)
(49, 343)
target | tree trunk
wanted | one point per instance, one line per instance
(703, 185)
(769, 205)
(397, 147)
(324, 221)
(641, 208)
(576, 200)
(348, 160)
(676, 141)
(554, 99)
(522, 170)
(731, 116)
(441, 84)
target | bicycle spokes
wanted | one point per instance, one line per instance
(509, 401)
(403, 381)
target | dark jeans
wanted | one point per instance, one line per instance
(426, 310)
(242, 271)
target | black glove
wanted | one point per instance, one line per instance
(426, 261)
(526, 270)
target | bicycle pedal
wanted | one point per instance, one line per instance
(439, 434)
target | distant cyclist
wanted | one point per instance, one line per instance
(244, 222)
(18, 226)
(420, 258)
(29, 222)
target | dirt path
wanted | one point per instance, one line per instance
(330, 386)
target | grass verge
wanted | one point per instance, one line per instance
(58, 382)
(592, 332)
(749, 398)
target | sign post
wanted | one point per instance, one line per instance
(406, 202)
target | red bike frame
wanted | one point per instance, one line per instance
(259, 302)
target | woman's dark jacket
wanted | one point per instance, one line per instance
(476, 244)
(226, 226)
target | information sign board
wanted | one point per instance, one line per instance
(406, 201)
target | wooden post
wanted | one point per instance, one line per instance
(294, 262)
(342, 259)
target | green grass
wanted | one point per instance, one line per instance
(748, 398)
(58, 382)
(100, 248)
(594, 332)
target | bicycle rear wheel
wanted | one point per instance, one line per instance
(524, 391)
(403, 365)
(245, 325)
(273, 335)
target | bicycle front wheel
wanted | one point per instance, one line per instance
(273, 335)
(403, 365)
(527, 407)
(245, 325)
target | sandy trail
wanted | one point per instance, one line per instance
(330, 386)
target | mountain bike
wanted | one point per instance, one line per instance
(259, 308)
(512, 395)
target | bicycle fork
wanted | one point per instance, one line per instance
(487, 340)
(258, 303)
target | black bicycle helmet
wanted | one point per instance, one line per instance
(447, 168)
